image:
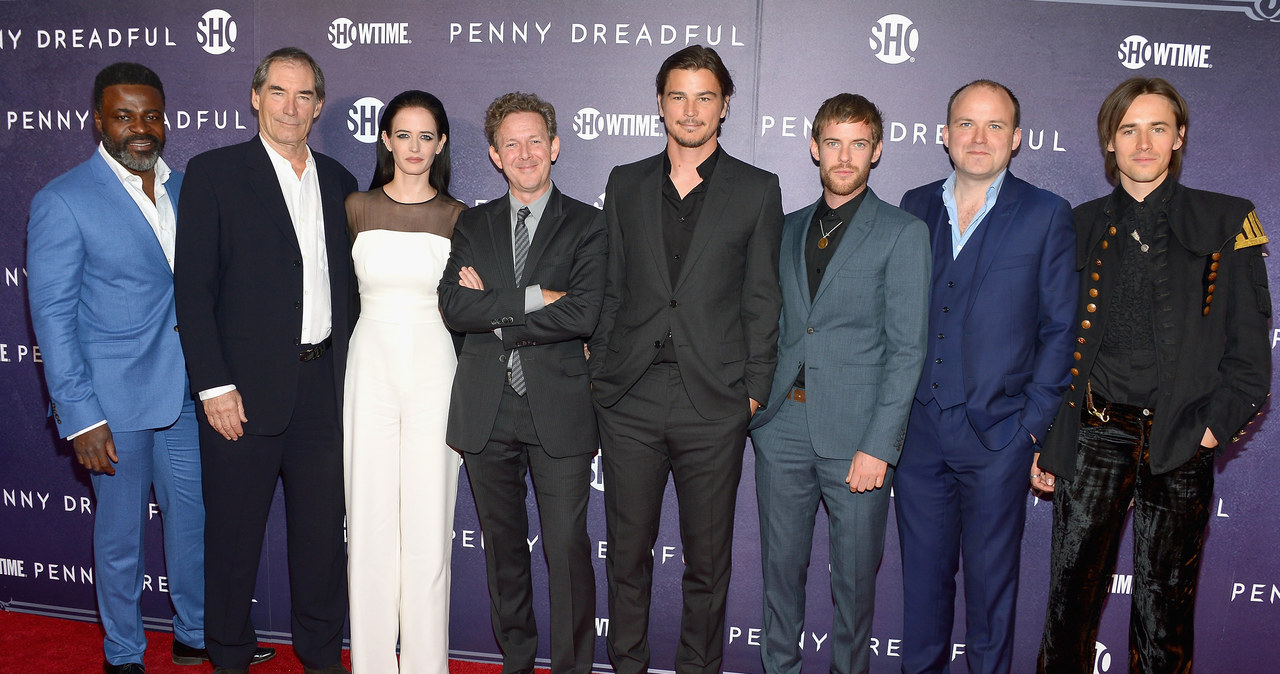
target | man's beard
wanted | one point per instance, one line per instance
(128, 159)
(694, 141)
(844, 189)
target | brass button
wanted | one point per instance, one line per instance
(1093, 292)
(1208, 299)
(1091, 307)
(1213, 276)
(1111, 231)
(1213, 266)
(1073, 387)
(1080, 340)
(175, 328)
(1097, 263)
(1106, 245)
(1095, 276)
(1212, 287)
(1206, 311)
(1076, 355)
(1075, 372)
(1216, 256)
(1070, 404)
(1086, 324)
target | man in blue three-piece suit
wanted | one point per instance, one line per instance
(999, 356)
(100, 275)
(854, 273)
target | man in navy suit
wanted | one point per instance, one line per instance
(1000, 343)
(264, 292)
(855, 295)
(100, 271)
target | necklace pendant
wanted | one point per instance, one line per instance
(822, 243)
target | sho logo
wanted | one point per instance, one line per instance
(1137, 51)
(340, 32)
(1101, 658)
(362, 119)
(894, 39)
(587, 123)
(216, 32)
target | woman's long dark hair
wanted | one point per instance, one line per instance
(385, 169)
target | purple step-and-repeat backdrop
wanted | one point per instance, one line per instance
(595, 62)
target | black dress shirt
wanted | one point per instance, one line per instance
(679, 217)
(1125, 370)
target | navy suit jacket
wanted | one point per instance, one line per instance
(102, 304)
(861, 337)
(239, 279)
(1018, 320)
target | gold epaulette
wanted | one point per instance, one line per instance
(1251, 233)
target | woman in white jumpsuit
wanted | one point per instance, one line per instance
(401, 477)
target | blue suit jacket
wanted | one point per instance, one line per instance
(1018, 321)
(102, 304)
(862, 337)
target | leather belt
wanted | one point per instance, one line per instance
(313, 351)
(796, 394)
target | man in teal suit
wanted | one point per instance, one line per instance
(854, 273)
(100, 274)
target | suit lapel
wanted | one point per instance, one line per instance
(793, 247)
(996, 225)
(266, 185)
(499, 216)
(552, 218)
(714, 205)
(648, 213)
(130, 216)
(852, 239)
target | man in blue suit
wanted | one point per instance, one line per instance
(100, 274)
(854, 273)
(999, 356)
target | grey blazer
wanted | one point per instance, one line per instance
(862, 338)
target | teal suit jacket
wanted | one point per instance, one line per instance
(862, 337)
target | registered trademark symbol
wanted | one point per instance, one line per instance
(233, 49)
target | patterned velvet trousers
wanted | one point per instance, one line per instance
(1170, 512)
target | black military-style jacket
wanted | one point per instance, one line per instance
(1213, 359)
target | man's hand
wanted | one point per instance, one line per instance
(550, 296)
(226, 413)
(469, 278)
(1041, 480)
(755, 405)
(1209, 440)
(866, 473)
(96, 450)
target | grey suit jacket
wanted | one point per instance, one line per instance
(862, 338)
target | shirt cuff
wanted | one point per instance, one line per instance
(86, 430)
(533, 299)
(216, 391)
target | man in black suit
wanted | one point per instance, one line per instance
(524, 282)
(263, 284)
(683, 356)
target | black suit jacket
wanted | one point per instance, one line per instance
(567, 253)
(722, 312)
(238, 278)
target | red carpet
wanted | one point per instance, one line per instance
(38, 645)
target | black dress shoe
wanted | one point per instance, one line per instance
(190, 655)
(126, 668)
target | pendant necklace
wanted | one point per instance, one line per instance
(824, 241)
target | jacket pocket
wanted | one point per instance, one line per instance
(110, 348)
